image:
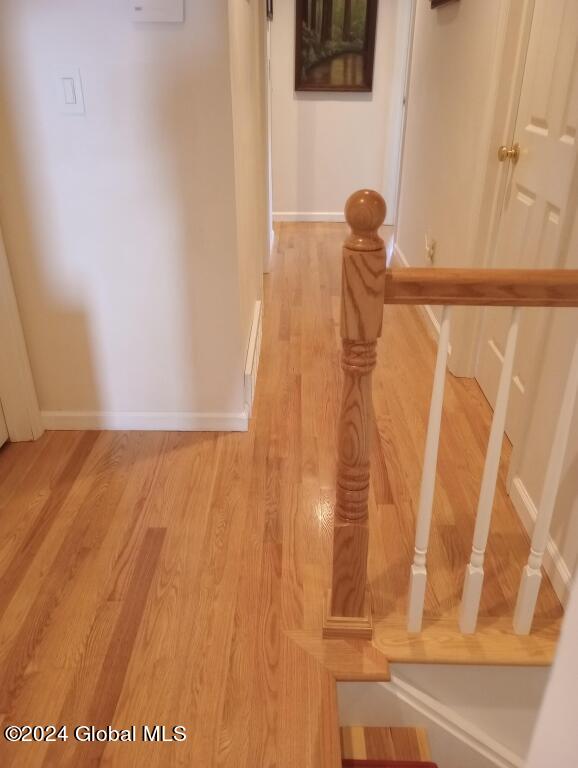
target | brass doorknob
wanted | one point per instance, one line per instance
(509, 153)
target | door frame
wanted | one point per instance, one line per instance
(405, 101)
(18, 398)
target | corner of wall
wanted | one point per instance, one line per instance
(17, 391)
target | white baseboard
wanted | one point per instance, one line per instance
(145, 421)
(554, 564)
(433, 323)
(253, 356)
(169, 421)
(302, 216)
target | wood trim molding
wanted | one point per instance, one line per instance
(309, 216)
(126, 421)
(354, 627)
(482, 287)
(446, 722)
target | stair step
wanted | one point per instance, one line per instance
(347, 660)
(386, 746)
(441, 642)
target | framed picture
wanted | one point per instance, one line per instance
(335, 45)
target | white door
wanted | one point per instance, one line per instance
(542, 192)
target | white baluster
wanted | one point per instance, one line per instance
(532, 575)
(474, 578)
(418, 569)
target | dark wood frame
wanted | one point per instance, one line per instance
(371, 27)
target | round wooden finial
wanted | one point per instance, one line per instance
(365, 212)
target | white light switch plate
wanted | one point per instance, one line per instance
(69, 92)
(158, 11)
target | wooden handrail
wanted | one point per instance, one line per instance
(482, 287)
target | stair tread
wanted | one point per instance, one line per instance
(441, 642)
(348, 660)
(365, 743)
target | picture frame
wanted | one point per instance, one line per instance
(335, 45)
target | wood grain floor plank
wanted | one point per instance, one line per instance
(138, 512)
(58, 608)
(16, 459)
(121, 646)
(28, 490)
(20, 562)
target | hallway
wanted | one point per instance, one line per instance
(150, 577)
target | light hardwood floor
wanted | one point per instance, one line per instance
(178, 578)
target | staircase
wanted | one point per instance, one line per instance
(365, 626)
(355, 606)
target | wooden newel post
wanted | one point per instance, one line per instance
(347, 609)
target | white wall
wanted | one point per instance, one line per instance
(453, 60)
(502, 702)
(120, 225)
(555, 739)
(325, 145)
(449, 174)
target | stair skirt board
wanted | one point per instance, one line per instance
(347, 763)
(147, 421)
